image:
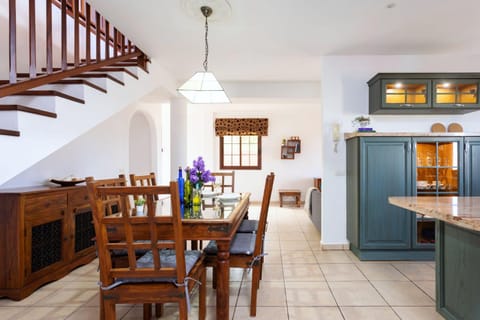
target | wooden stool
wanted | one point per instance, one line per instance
(289, 193)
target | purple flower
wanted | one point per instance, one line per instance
(198, 174)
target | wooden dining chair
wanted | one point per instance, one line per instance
(143, 180)
(225, 182)
(246, 249)
(166, 273)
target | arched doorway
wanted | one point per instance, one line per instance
(142, 145)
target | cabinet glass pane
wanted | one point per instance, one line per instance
(401, 93)
(451, 93)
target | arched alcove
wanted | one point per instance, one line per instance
(142, 145)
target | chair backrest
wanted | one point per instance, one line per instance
(112, 203)
(125, 231)
(226, 181)
(262, 223)
(143, 180)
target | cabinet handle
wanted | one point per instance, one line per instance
(406, 105)
(459, 105)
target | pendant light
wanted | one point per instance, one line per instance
(203, 87)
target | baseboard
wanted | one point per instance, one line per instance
(334, 246)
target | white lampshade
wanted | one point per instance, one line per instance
(203, 87)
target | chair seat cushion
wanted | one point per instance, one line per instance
(168, 259)
(242, 243)
(248, 226)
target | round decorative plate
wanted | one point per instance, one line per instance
(438, 127)
(67, 183)
(455, 127)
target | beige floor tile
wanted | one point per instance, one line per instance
(270, 294)
(341, 272)
(263, 313)
(356, 293)
(315, 244)
(289, 245)
(8, 313)
(427, 286)
(309, 294)
(273, 257)
(271, 272)
(212, 294)
(305, 272)
(369, 313)
(302, 313)
(46, 313)
(68, 297)
(416, 271)
(418, 313)
(272, 245)
(84, 313)
(402, 293)
(298, 257)
(332, 256)
(380, 271)
(31, 300)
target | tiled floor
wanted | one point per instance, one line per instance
(300, 281)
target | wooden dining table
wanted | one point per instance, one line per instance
(220, 224)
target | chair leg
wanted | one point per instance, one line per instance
(158, 310)
(147, 311)
(182, 310)
(254, 290)
(109, 309)
(214, 278)
(202, 296)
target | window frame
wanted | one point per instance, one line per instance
(241, 167)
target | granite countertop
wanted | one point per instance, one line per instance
(349, 135)
(461, 211)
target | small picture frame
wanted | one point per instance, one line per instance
(296, 144)
(288, 152)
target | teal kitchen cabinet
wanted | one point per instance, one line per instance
(424, 93)
(472, 166)
(379, 167)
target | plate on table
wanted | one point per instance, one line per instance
(67, 183)
(229, 197)
(209, 193)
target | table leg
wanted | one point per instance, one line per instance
(223, 279)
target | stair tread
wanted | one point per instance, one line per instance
(49, 93)
(5, 132)
(18, 107)
(80, 81)
(104, 69)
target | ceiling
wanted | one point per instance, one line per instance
(283, 40)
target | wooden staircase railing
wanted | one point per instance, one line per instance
(111, 46)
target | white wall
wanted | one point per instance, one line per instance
(102, 152)
(286, 118)
(345, 95)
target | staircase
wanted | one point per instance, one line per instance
(85, 60)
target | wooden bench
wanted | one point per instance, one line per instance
(289, 193)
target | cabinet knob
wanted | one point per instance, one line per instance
(406, 105)
(459, 105)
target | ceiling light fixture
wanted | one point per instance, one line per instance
(203, 87)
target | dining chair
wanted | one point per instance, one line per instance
(143, 180)
(246, 250)
(166, 273)
(225, 182)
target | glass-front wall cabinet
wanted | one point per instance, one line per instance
(406, 93)
(436, 174)
(456, 93)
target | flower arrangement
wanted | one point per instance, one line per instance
(198, 174)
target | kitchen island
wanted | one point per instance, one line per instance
(457, 251)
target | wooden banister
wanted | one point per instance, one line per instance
(111, 45)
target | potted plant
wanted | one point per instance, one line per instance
(139, 204)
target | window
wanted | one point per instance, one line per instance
(241, 152)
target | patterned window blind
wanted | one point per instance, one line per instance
(241, 127)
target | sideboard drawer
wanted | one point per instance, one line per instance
(41, 203)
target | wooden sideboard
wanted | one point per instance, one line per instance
(45, 233)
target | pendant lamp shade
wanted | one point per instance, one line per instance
(203, 87)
